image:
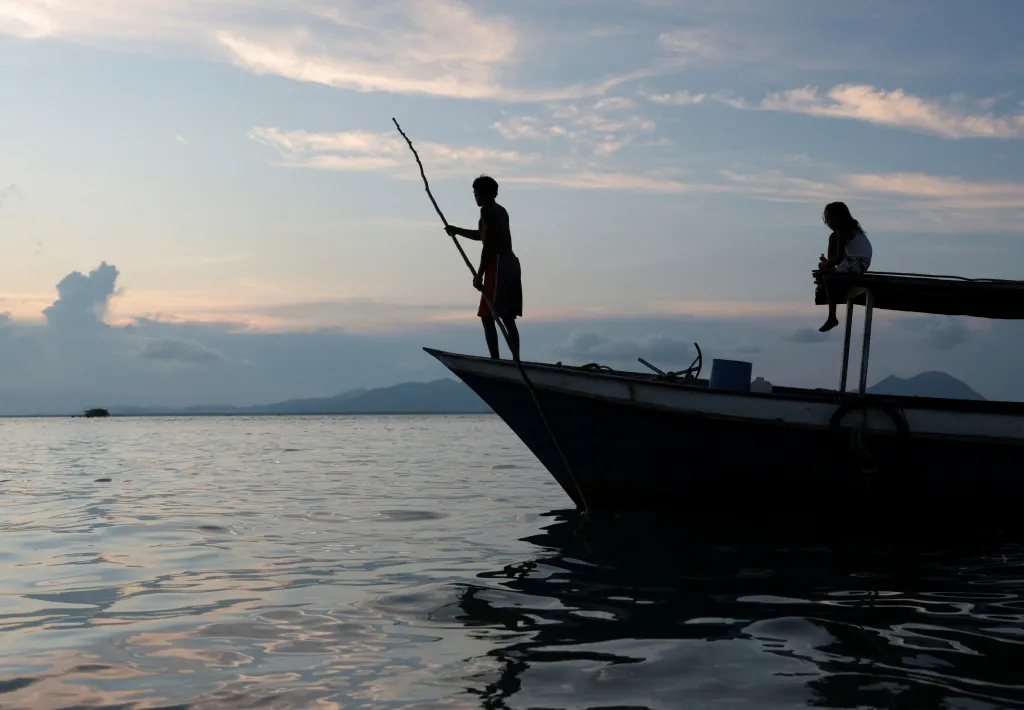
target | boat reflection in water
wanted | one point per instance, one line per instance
(626, 614)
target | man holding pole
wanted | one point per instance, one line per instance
(499, 277)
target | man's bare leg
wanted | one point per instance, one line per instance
(832, 321)
(491, 335)
(833, 257)
(513, 335)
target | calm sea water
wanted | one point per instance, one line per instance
(428, 562)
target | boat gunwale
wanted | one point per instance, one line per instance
(887, 429)
(817, 396)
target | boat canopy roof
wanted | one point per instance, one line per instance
(926, 293)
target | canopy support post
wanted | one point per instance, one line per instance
(846, 345)
(869, 306)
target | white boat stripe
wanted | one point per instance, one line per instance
(782, 409)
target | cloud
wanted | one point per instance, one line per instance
(431, 47)
(661, 350)
(83, 300)
(438, 48)
(897, 109)
(678, 98)
(746, 38)
(614, 103)
(958, 118)
(727, 98)
(808, 335)
(448, 52)
(415, 46)
(178, 350)
(366, 151)
(25, 19)
(600, 128)
(702, 42)
(776, 186)
(357, 315)
(7, 192)
(763, 39)
(527, 128)
(145, 361)
(948, 335)
(594, 180)
(910, 202)
(595, 119)
(179, 363)
(952, 192)
(939, 333)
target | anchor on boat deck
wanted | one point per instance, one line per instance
(690, 373)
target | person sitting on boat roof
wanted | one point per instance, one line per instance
(849, 251)
(499, 277)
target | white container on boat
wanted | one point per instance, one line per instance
(761, 385)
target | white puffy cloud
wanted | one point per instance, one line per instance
(179, 350)
(899, 109)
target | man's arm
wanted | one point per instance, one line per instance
(836, 249)
(486, 253)
(494, 233)
(467, 233)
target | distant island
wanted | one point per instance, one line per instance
(927, 384)
(444, 396)
(450, 396)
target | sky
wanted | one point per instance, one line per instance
(206, 201)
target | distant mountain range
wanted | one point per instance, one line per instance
(927, 384)
(444, 396)
(449, 396)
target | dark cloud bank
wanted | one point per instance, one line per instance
(76, 360)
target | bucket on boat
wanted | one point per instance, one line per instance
(732, 375)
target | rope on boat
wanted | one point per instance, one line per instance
(501, 326)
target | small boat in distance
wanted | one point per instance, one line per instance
(673, 442)
(91, 413)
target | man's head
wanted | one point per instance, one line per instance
(485, 189)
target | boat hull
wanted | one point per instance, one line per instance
(628, 454)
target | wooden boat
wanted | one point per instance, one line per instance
(671, 442)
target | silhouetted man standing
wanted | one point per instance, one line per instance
(499, 276)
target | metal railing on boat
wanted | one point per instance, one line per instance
(869, 307)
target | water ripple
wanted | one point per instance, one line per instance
(387, 562)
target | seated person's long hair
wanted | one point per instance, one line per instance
(843, 222)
